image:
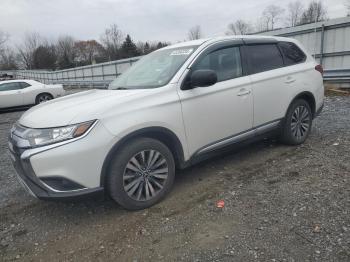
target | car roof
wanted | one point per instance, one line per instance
(187, 43)
(225, 38)
(16, 80)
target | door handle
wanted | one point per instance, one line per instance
(243, 92)
(289, 80)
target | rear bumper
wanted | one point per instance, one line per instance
(37, 188)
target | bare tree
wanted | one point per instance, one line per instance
(88, 51)
(111, 40)
(195, 33)
(3, 39)
(240, 27)
(262, 24)
(272, 14)
(7, 56)
(315, 12)
(26, 51)
(347, 4)
(8, 60)
(295, 10)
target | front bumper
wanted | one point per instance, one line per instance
(35, 185)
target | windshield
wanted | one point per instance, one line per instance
(153, 70)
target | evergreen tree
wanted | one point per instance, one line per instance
(160, 45)
(146, 49)
(128, 48)
(44, 57)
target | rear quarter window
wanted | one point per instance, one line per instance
(263, 57)
(24, 84)
(292, 54)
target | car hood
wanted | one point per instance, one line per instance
(77, 108)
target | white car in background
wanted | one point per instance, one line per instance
(17, 93)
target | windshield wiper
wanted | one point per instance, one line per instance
(120, 88)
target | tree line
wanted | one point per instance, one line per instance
(37, 52)
(274, 16)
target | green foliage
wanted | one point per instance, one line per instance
(128, 48)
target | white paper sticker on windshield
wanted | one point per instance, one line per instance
(182, 51)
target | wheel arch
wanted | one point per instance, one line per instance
(309, 98)
(162, 134)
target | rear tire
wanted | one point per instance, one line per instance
(44, 97)
(297, 123)
(141, 173)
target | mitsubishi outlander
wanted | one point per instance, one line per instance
(173, 108)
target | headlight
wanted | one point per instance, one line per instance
(41, 137)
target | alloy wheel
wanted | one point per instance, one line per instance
(44, 98)
(145, 175)
(300, 123)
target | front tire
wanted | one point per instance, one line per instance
(297, 124)
(141, 173)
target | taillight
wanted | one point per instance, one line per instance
(319, 68)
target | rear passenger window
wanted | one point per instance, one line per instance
(225, 62)
(264, 57)
(291, 53)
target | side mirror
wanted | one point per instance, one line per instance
(203, 78)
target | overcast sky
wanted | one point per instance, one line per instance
(144, 19)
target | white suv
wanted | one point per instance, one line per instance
(174, 107)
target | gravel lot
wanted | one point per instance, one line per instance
(281, 204)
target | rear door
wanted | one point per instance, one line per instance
(215, 113)
(269, 79)
(10, 95)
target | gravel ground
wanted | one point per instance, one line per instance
(281, 204)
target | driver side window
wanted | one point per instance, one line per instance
(225, 62)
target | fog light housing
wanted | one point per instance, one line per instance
(61, 184)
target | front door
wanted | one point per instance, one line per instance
(218, 112)
(10, 95)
